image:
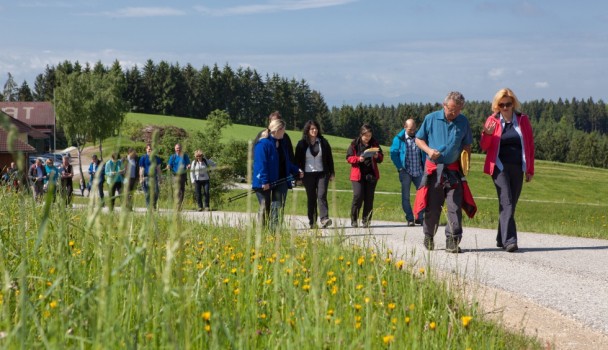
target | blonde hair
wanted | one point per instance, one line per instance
(506, 92)
(274, 126)
(198, 152)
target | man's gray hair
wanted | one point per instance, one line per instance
(455, 96)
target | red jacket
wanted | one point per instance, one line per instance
(353, 158)
(490, 143)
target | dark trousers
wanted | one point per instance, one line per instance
(100, 190)
(114, 189)
(201, 189)
(508, 183)
(437, 195)
(67, 188)
(149, 185)
(363, 193)
(316, 184)
(132, 182)
(271, 207)
(180, 182)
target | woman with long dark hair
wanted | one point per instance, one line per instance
(364, 154)
(314, 157)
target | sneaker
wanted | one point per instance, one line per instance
(411, 223)
(418, 222)
(511, 248)
(499, 245)
(354, 224)
(207, 209)
(428, 242)
(200, 209)
(326, 223)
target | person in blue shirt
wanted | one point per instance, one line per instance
(408, 159)
(443, 135)
(149, 175)
(272, 170)
(179, 163)
(115, 172)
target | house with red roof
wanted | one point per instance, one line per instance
(40, 116)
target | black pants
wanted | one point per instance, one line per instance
(114, 189)
(180, 181)
(67, 188)
(363, 193)
(130, 191)
(508, 183)
(201, 189)
(316, 184)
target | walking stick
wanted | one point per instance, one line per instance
(272, 185)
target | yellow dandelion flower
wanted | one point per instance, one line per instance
(296, 283)
(412, 307)
(399, 264)
(387, 339)
(200, 265)
(282, 260)
(391, 306)
(207, 328)
(357, 325)
(48, 283)
(421, 270)
(71, 243)
(337, 321)
(53, 304)
(288, 271)
(46, 314)
(394, 320)
(348, 263)
(330, 312)
(334, 290)
(358, 307)
(361, 261)
(262, 316)
(237, 291)
(432, 326)
(268, 281)
(52, 270)
(387, 260)
(466, 320)
(384, 283)
(359, 287)
(233, 271)
(367, 300)
(330, 273)
(407, 320)
(306, 287)
(226, 280)
(389, 252)
(206, 315)
(340, 258)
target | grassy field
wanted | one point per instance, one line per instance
(562, 199)
(81, 278)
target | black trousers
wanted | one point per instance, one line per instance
(180, 181)
(201, 189)
(316, 184)
(508, 183)
(363, 193)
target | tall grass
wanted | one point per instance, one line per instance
(84, 278)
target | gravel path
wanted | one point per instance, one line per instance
(553, 287)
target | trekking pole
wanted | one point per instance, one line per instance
(272, 185)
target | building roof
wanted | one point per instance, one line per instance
(25, 128)
(32, 113)
(18, 144)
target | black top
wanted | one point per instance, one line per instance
(510, 146)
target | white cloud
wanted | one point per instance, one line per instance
(541, 84)
(145, 12)
(496, 73)
(271, 7)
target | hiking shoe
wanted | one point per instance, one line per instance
(354, 224)
(418, 222)
(511, 248)
(451, 245)
(499, 245)
(326, 223)
(200, 209)
(428, 242)
(411, 223)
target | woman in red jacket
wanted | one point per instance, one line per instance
(363, 154)
(507, 138)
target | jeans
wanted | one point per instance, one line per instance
(406, 181)
(272, 203)
(148, 186)
(201, 188)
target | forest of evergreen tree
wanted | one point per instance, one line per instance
(567, 130)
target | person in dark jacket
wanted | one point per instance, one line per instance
(67, 186)
(272, 170)
(364, 154)
(314, 156)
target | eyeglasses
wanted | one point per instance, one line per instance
(505, 105)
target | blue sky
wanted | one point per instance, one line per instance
(352, 51)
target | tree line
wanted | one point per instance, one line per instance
(565, 130)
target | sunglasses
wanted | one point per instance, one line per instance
(507, 105)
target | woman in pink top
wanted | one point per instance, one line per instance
(509, 145)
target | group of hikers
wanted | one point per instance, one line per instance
(434, 158)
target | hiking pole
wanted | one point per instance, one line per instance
(272, 185)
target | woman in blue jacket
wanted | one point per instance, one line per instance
(272, 172)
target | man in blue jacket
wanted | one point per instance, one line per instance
(408, 160)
